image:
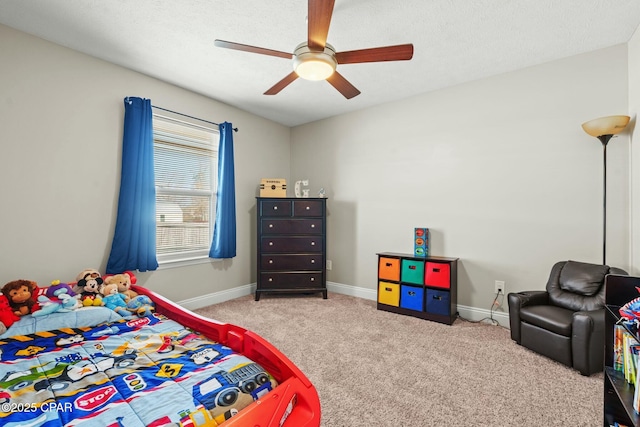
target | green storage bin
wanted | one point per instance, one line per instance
(412, 271)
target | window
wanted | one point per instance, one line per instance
(186, 168)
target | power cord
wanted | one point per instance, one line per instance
(494, 305)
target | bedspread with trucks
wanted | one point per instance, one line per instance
(148, 371)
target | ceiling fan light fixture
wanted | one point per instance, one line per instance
(311, 65)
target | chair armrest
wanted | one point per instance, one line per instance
(587, 341)
(516, 301)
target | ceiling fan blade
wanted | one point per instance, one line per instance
(282, 84)
(252, 49)
(401, 52)
(342, 85)
(319, 19)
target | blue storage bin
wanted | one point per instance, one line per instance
(438, 302)
(412, 297)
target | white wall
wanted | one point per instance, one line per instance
(61, 118)
(634, 107)
(499, 169)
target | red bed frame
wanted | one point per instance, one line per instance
(294, 402)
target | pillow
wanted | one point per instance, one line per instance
(82, 317)
(582, 278)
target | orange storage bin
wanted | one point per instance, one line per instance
(389, 269)
(438, 274)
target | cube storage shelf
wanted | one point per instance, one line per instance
(424, 287)
(618, 394)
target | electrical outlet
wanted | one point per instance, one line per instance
(329, 264)
(500, 287)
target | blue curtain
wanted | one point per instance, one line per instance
(134, 240)
(224, 230)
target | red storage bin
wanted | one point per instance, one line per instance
(437, 274)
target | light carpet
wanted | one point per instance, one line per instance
(374, 368)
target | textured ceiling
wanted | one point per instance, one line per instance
(454, 40)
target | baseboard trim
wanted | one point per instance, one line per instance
(469, 313)
(353, 291)
(217, 297)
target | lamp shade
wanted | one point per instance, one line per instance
(609, 125)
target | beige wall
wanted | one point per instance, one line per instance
(634, 155)
(499, 169)
(61, 118)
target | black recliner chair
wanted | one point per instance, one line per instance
(565, 322)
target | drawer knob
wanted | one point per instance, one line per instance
(275, 208)
(270, 243)
(436, 270)
(313, 279)
(313, 261)
(270, 279)
(270, 261)
(411, 293)
(270, 225)
(412, 267)
(313, 243)
(313, 226)
(307, 208)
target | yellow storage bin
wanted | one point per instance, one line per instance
(389, 293)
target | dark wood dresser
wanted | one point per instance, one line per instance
(292, 247)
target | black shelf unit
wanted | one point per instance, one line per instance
(618, 393)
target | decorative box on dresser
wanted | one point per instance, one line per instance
(425, 287)
(292, 248)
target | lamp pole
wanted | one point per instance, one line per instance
(604, 139)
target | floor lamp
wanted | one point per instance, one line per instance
(604, 128)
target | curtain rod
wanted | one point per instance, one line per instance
(191, 117)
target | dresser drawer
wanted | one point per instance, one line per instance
(292, 262)
(275, 208)
(291, 244)
(290, 280)
(307, 207)
(291, 226)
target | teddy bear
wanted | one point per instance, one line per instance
(124, 282)
(20, 294)
(7, 316)
(88, 284)
(114, 300)
(141, 305)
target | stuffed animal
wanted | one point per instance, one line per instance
(124, 282)
(64, 302)
(20, 294)
(114, 300)
(57, 288)
(7, 316)
(88, 284)
(141, 305)
(57, 297)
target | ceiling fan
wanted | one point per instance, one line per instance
(316, 59)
